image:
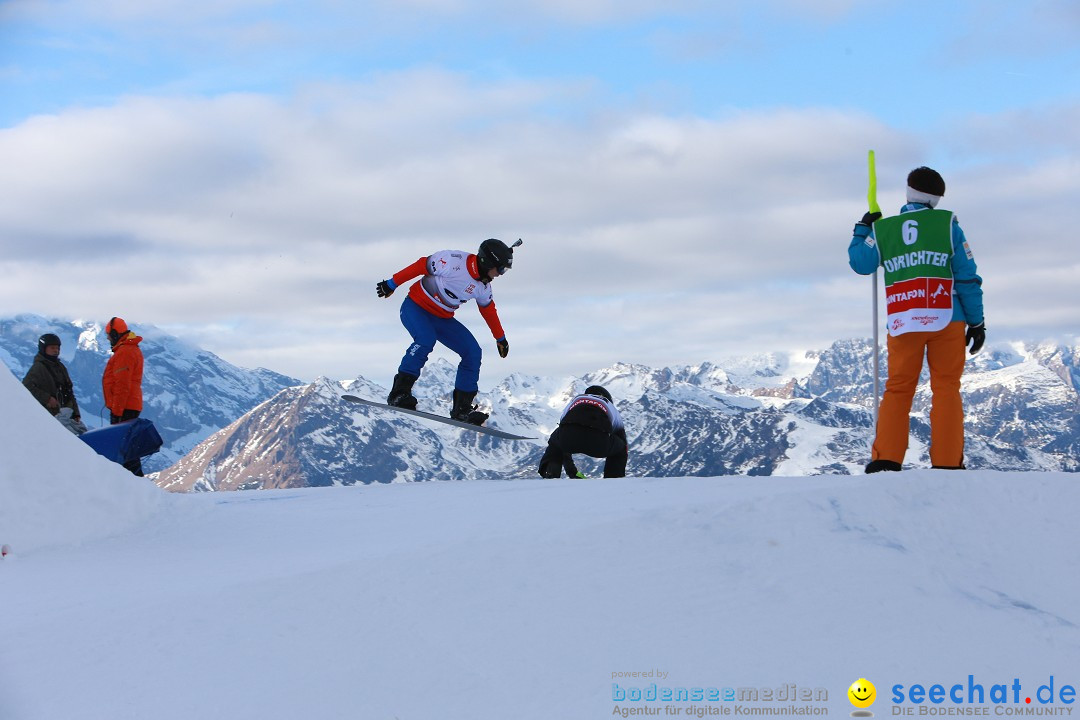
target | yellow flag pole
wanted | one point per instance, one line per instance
(871, 199)
(871, 193)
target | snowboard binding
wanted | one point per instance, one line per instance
(464, 410)
(401, 393)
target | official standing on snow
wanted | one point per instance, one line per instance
(449, 279)
(590, 425)
(122, 381)
(49, 382)
(933, 292)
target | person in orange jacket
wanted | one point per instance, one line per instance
(122, 381)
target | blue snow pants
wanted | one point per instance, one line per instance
(427, 329)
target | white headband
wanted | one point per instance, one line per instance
(918, 196)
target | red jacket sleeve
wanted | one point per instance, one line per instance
(491, 317)
(406, 274)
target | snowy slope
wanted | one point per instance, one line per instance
(517, 599)
(53, 487)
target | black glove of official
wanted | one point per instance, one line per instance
(504, 347)
(976, 336)
(383, 289)
(869, 218)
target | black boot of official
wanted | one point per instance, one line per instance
(464, 410)
(401, 394)
(880, 465)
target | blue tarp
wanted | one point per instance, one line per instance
(124, 442)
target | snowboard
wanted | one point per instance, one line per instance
(495, 432)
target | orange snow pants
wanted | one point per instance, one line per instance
(945, 354)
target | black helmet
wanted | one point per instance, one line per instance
(926, 180)
(495, 254)
(46, 340)
(598, 391)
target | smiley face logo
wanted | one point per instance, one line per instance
(862, 693)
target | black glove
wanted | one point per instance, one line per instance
(504, 347)
(869, 218)
(383, 289)
(976, 336)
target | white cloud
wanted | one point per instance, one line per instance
(259, 226)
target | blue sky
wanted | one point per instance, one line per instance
(694, 57)
(313, 148)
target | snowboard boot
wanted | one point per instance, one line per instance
(401, 393)
(879, 465)
(464, 410)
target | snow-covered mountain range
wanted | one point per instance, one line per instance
(189, 393)
(775, 414)
(764, 415)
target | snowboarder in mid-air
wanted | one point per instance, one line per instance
(590, 425)
(448, 279)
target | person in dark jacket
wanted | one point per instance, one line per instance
(49, 382)
(590, 425)
(122, 381)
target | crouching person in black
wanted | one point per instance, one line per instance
(590, 425)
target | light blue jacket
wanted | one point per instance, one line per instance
(865, 258)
